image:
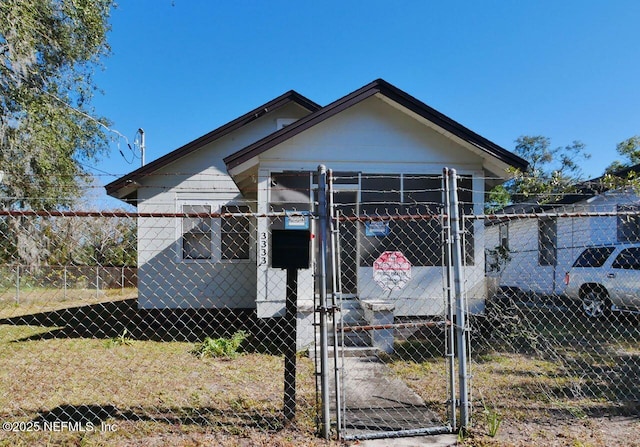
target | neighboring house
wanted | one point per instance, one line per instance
(377, 138)
(538, 251)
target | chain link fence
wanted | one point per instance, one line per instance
(562, 334)
(552, 313)
(122, 326)
(125, 325)
(398, 367)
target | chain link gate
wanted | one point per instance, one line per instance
(394, 306)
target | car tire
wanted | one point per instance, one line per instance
(595, 304)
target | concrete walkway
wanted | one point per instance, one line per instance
(415, 441)
(378, 404)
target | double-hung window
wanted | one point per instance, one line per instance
(235, 232)
(215, 231)
(197, 232)
(547, 241)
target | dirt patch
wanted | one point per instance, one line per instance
(586, 432)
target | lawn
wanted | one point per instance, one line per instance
(548, 378)
(89, 372)
(90, 369)
(143, 389)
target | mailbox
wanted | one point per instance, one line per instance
(290, 249)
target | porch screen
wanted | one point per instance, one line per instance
(290, 190)
(418, 199)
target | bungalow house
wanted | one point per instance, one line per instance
(388, 150)
(538, 248)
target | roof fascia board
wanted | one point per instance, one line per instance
(282, 100)
(391, 92)
(451, 126)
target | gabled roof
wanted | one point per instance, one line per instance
(377, 87)
(115, 188)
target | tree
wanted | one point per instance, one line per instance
(68, 240)
(105, 241)
(551, 173)
(49, 50)
(630, 150)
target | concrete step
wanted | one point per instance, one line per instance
(350, 312)
(353, 338)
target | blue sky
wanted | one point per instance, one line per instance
(568, 70)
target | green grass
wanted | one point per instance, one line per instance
(159, 392)
(221, 347)
(145, 388)
(549, 370)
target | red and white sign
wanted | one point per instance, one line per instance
(392, 270)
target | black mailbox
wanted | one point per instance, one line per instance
(290, 249)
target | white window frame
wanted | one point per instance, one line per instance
(216, 233)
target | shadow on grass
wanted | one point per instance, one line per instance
(593, 365)
(123, 318)
(538, 353)
(83, 416)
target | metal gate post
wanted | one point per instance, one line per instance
(460, 300)
(450, 334)
(322, 308)
(336, 291)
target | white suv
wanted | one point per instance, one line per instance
(606, 278)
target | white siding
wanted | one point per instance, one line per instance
(573, 235)
(373, 137)
(166, 280)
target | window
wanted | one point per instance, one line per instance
(628, 223)
(547, 242)
(593, 257)
(628, 259)
(235, 232)
(503, 231)
(196, 233)
(224, 237)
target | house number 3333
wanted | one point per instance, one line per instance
(262, 260)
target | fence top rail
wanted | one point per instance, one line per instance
(342, 217)
(40, 213)
(514, 216)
